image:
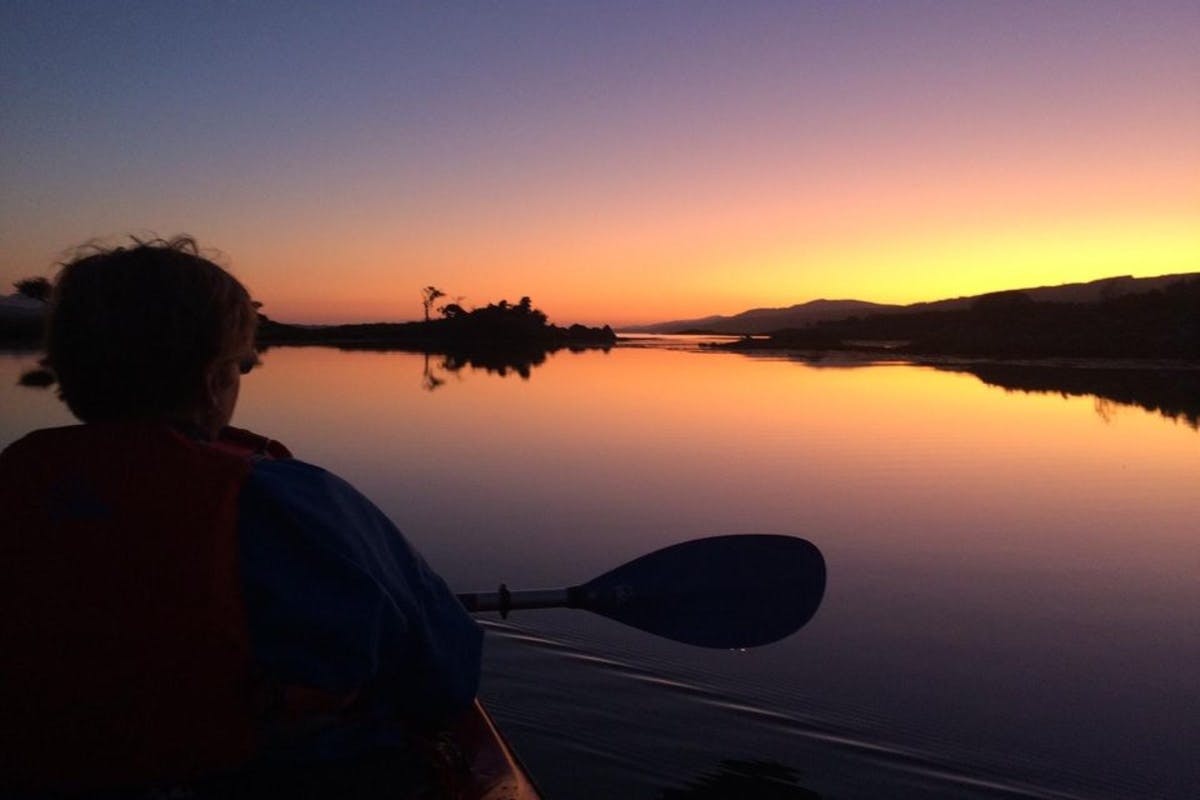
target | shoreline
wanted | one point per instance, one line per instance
(831, 358)
(850, 358)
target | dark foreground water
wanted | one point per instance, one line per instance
(1013, 606)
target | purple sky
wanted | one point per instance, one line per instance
(716, 155)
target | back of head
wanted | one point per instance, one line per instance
(133, 329)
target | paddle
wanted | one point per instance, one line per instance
(723, 592)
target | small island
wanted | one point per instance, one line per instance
(497, 325)
(497, 337)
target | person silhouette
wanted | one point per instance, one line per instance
(184, 599)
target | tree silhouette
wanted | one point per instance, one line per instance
(429, 296)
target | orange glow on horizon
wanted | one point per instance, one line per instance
(903, 267)
(888, 226)
(754, 157)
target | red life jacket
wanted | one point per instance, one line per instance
(125, 656)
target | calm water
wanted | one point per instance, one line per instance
(1014, 577)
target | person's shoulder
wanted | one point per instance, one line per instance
(249, 443)
(15, 448)
(306, 491)
(36, 437)
(289, 499)
(36, 442)
(288, 468)
(293, 476)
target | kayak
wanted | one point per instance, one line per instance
(467, 760)
(488, 768)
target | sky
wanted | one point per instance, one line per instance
(617, 162)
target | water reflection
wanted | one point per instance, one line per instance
(1173, 393)
(496, 358)
(975, 537)
(768, 780)
(437, 366)
(499, 362)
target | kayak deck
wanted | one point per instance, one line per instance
(469, 759)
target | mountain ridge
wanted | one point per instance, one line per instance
(800, 315)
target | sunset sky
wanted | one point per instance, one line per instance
(617, 162)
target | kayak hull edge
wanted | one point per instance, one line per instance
(495, 772)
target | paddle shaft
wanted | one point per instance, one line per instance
(504, 601)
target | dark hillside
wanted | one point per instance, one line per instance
(1159, 324)
(766, 320)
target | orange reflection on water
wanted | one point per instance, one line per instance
(733, 443)
(598, 456)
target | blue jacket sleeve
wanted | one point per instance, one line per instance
(337, 599)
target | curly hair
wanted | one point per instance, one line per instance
(132, 330)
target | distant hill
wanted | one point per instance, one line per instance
(1161, 323)
(766, 320)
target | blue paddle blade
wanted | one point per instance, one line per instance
(723, 592)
